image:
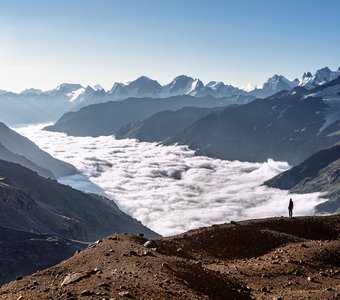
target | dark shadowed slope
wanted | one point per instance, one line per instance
(30, 202)
(106, 118)
(22, 146)
(275, 258)
(7, 155)
(319, 173)
(22, 253)
(162, 125)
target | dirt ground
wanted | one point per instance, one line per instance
(276, 258)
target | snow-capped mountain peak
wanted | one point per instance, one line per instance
(66, 88)
(97, 87)
(279, 82)
(215, 85)
(320, 77)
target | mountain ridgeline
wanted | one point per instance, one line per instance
(288, 126)
(18, 149)
(35, 106)
(162, 125)
(106, 118)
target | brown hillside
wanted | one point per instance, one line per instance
(276, 258)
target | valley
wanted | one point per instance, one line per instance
(169, 188)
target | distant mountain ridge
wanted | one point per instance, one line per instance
(273, 127)
(34, 105)
(106, 118)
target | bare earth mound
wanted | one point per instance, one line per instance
(276, 258)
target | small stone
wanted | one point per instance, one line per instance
(98, 242)
(103, 284)
(148, 253)
(264, 290)
(310, 279)
(71, 278)
(148, 244)
(113, 238)
(20, 297)
(125, 294)
(328, 289)
(86, 293)
(133, 253)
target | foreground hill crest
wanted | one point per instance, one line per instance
(275, 258)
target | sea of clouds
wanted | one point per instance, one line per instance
(168, 188)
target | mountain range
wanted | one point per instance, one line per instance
(288, 126)
(106, 118)
(34, 105)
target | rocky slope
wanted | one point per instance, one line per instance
(23, 253)
(277, 258)
(319, 173)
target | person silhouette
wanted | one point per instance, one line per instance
(290, 208)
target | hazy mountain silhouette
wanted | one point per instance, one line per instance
(31, 155)
(162, 125)
(106, 118)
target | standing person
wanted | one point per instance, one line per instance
(290, 208)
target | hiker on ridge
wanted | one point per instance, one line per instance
(290, 208)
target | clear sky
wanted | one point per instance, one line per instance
(44, 43)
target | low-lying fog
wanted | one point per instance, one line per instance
(168, 188)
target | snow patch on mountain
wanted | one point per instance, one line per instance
(75, 94)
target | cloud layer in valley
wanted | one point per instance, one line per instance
(168, 188)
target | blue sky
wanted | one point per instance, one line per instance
(45, 43)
